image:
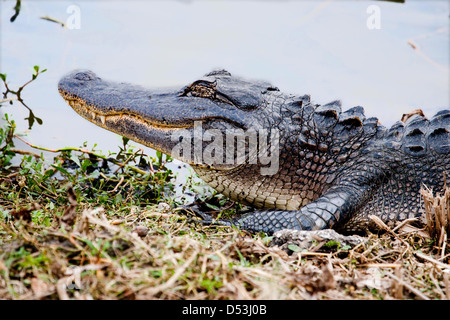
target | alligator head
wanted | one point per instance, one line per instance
(210, 123)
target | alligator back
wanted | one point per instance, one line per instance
(341, 167)
(417, 151)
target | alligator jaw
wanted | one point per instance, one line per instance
(121, 122)
(107, 120)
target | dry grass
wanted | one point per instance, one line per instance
(437, 209)
(101, 257)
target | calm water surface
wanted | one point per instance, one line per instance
(321, 48)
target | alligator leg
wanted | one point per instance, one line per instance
(322, 213)
(330, 210)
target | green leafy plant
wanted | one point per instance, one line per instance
(18, 95)
(6, 142)
(116, 181)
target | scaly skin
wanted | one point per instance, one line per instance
(335, 168)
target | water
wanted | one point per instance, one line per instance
(322, 48)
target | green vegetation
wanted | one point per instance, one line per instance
(31, 118)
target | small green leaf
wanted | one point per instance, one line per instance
(36, 68)
(3, 76)
(211, 206)
(94, 175)
(48, 173)
(62, 170)
(75, 159)
(90, 244)
(332, 243)
(294, 247)
(118, 198)
(214, 257)
(266, 240)
(86, 164)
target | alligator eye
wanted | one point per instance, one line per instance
(206, 89)
(200, 88)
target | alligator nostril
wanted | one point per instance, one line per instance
(83, 76)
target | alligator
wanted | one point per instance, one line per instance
(299, 164)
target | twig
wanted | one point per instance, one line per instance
(25, 152)
(87, 152)
(409, 287)
(383, 226)
(403, 223)
(422, 54)
(447, 284)
(381, 265)
(434, 261)
(117, 185)
(61, 287)
(398, 287)
(169, 283)
(48, 18)
(8, 99)
(436, 284)
(444, 243)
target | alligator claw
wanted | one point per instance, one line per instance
(205, 218)
(195, 211)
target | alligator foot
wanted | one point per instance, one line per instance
(205, 218)
(323, 213)
(193, 210)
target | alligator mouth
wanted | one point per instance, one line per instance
(156, 135)
(89, 112)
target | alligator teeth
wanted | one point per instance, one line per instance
(93, 115)
(103, 119)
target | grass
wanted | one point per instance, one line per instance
(437, 209)
(91, 226)
(100, 257)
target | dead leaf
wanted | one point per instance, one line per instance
(70, 214)
(39, 287)
(408, 115)
(23, 213)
